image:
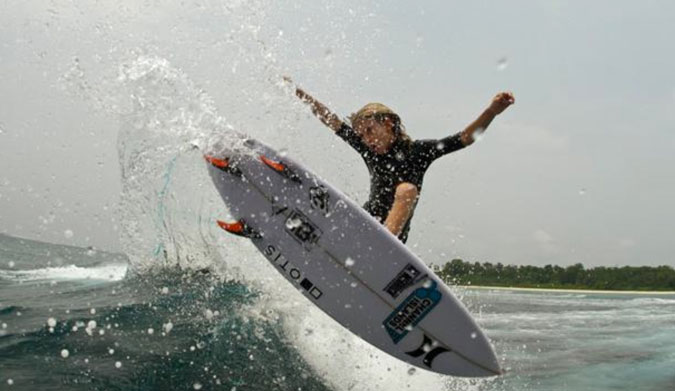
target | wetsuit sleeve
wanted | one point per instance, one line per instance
(433, 149)
(349, 135)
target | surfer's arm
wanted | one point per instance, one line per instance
(322, 112)
(401, 210)
(499, 103)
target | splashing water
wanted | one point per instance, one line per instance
(165, 185)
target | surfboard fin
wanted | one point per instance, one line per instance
(223, 165)
(239, 228)
(282, 169)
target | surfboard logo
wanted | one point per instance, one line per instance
(292, 272)
(429, 350)
(409, 313)
(406, 278)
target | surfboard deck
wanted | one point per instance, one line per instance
(347, 263)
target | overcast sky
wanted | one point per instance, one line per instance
(580, 169)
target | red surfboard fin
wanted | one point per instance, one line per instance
(239, 228)
(282, 169)
(223, 165)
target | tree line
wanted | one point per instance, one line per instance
(642, 278)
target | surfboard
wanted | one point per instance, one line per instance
(346, 263)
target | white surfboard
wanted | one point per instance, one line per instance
(346, 263)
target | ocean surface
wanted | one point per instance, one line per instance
(80, 319)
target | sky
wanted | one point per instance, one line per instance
(580, 169)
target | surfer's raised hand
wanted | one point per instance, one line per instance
(501, 101)
(318, 109)
(287, 81)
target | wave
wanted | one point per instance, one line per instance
(70, 272)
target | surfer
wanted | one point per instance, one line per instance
(397, 163)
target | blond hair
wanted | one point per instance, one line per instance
(375, 108)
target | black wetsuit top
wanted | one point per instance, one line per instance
(404, 162)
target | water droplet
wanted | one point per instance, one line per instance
(348, 306)
(167, 327)
(118, 364)
(349, 262)
(474, 335)
(411, 371)
(293, 223)
(4, 325)
(502, 63)
(93, 311)
(10, 264)
(151, 331)
(10, 382)
(353, 284)
(197, 386)
(440, 145)
(478, 134)
(111, 351)
(65, 353)
(51, 322)
(68, 234)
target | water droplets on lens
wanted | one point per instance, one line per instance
(502, 64)
(293, 223)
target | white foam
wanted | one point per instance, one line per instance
(343, 360)
(70, 272)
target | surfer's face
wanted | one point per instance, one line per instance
(377, 132)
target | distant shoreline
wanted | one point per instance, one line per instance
(504, 288)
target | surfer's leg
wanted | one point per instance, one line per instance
(404, 203)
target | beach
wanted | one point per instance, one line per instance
(584, 291)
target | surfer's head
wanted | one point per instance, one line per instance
(378, 126)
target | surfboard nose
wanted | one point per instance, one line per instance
(455, 365)
(479, 360)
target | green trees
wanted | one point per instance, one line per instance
(644, 278)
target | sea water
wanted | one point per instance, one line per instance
(74, 318)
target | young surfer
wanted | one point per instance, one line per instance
(397, 163)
